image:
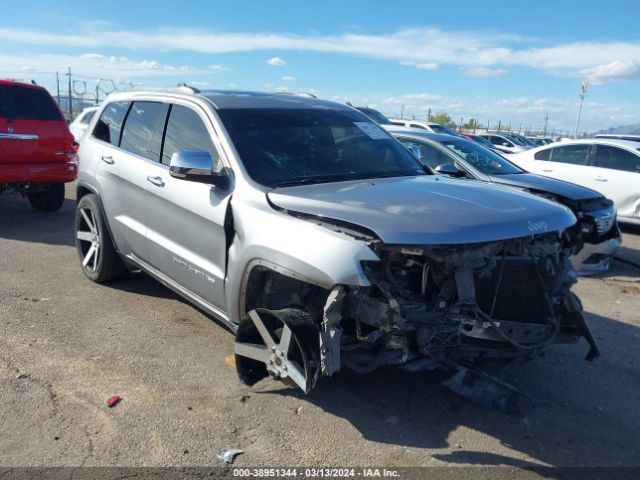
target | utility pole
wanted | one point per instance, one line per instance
(429, 115)
(546, 124)
(583, 93)
(460, 127)
(58, 87)
(402, 111)
(70, 97)
(499, 124)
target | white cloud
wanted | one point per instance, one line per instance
(484, 72)
(218, 68)
(615, 70)
(421, 66)
(91, 65)
(418, 47)
(276, 62)
(288, 78)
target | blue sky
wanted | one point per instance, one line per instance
(486, 60)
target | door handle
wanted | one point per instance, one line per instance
(108, 159)
(547, 169)
(157, 181)
(600, 178)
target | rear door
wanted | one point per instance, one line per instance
(131, 136)
(566, 162)
(617, 171)
(32, 128)
(186, 220)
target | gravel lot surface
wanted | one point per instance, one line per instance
(67, 345)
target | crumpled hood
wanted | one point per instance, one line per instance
(547, 184)
(428, 210)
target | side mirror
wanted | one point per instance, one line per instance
(449, 169)
(415, 150)
(197, 166)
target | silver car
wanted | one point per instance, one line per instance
(595, 237)
(321, 241)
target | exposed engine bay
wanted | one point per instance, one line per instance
(470, 309)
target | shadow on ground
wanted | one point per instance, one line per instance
(19, 221)
(582, 413)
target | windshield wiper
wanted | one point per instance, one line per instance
(305, 181)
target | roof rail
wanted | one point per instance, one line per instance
(189, 88)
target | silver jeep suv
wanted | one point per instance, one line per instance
(320, 241)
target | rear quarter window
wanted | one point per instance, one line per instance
(109, 124)
(543, 154)
(18, 102)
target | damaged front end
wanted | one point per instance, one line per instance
(469, 309)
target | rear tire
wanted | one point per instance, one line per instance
(98, 257)
(49, 200)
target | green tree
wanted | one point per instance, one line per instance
(443, 118)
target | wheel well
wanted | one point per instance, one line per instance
(81, 192)
(266, 288)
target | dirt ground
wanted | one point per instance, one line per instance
(67, 345)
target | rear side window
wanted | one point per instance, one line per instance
(27, 103)
(543, 154)
(142, 132)
(86, 119)
(429, 155)
(187, 131)
(109, 124)
(573, 154)
(617, 159)
(417, 125)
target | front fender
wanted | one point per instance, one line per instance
(293, 247)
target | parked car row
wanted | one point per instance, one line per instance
(323, 243)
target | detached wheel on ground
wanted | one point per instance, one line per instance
(48, 200)
(281, 343)
(99, 259)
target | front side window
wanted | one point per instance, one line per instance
(187, 131)
(617, 159)
(417, 125)
(142, 132)
(109, 124)
(573, 154)
(287, 146)
(479, 157)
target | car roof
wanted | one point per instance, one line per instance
(417, 132)
(630, 144)
(423, 122)
(236, 99)
(22, 84)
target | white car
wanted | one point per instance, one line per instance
(428, 126)
(609, 166)
(81, 122)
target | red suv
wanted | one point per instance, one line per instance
(37, 151)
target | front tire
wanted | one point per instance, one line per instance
(48, 200)
(98, 257)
